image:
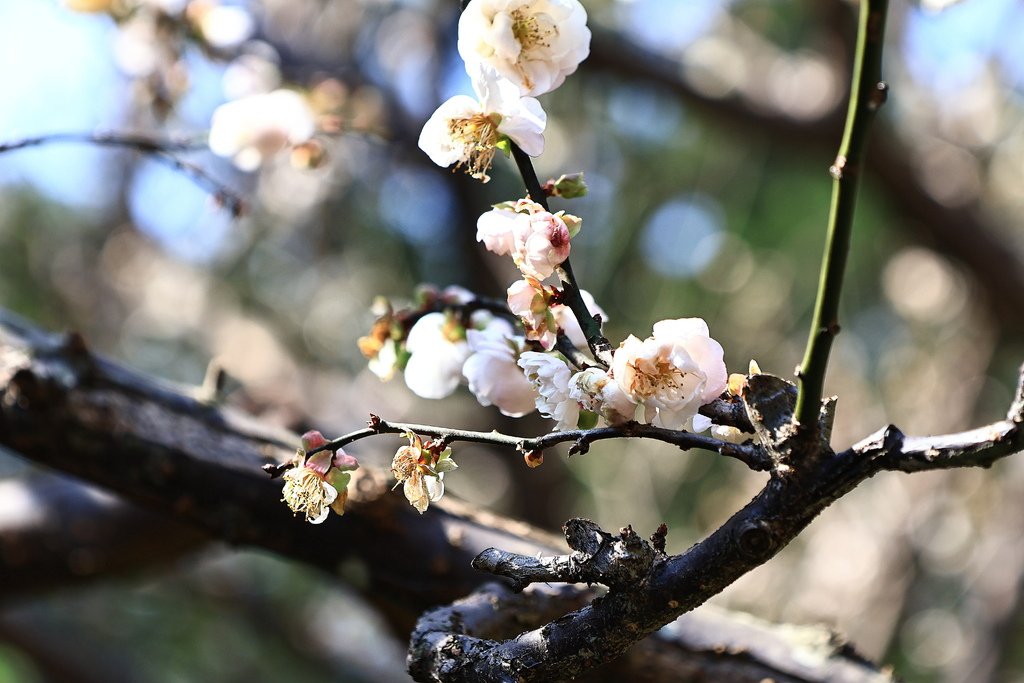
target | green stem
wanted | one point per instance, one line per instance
(867, 93)
(571, 297)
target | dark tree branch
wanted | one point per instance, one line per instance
(764, 652)
(163, 150)
(807, 478)
(161, 447)
(597, 557)
(749, 453)
(57, 532)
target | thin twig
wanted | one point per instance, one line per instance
(867, 93)
(161, 149)
(750, 454)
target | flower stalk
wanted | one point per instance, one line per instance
(571, 297)
(867, 94)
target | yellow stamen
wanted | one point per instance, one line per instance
(478, 135)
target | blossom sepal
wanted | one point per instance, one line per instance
(566, 186)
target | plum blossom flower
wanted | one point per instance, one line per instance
(550, 377)
(672, 373)
(438, 351)
(533, 43)
(420, 468)
(492, 372)
(320, 483)
(595, 391)
(530, 300)
(466, 132)
(253, 128)
(496, 229)
(567, 322)
(537, 239)
(541, 242)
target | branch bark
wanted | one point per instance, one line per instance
(807, 478)
(158, 445)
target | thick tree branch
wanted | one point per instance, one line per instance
(598, 557)
(764, 652)
(807, 478)
(168, 451)
(57, 532)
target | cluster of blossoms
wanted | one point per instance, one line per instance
(514, 50)
(319, 483)
(662, 380)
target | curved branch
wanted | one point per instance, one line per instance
(161, 149)
(752, 455)
(162, 447)
(809, 477)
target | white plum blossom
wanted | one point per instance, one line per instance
(541, 243)
(385, 362)
(496, 229)
(550, 376)
(731, 434)
(567, 322)
(672, 373)
(533, 43)
(595, 391)
(537, 239)
(465, 132)
(492, 372)
(529, 299)
(253, 128)
(438, 351)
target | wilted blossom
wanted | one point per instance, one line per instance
(533, 43)
(530, 300)
(420, 468)
(251, 129)
(550, 377)
(466, 132)
(319, 484)
(492, 372)
(672, 373)
(438, 349)
(595, 391)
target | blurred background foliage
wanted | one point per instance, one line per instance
(705, 129)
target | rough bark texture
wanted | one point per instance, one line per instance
(807, 478)
(161, 447)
